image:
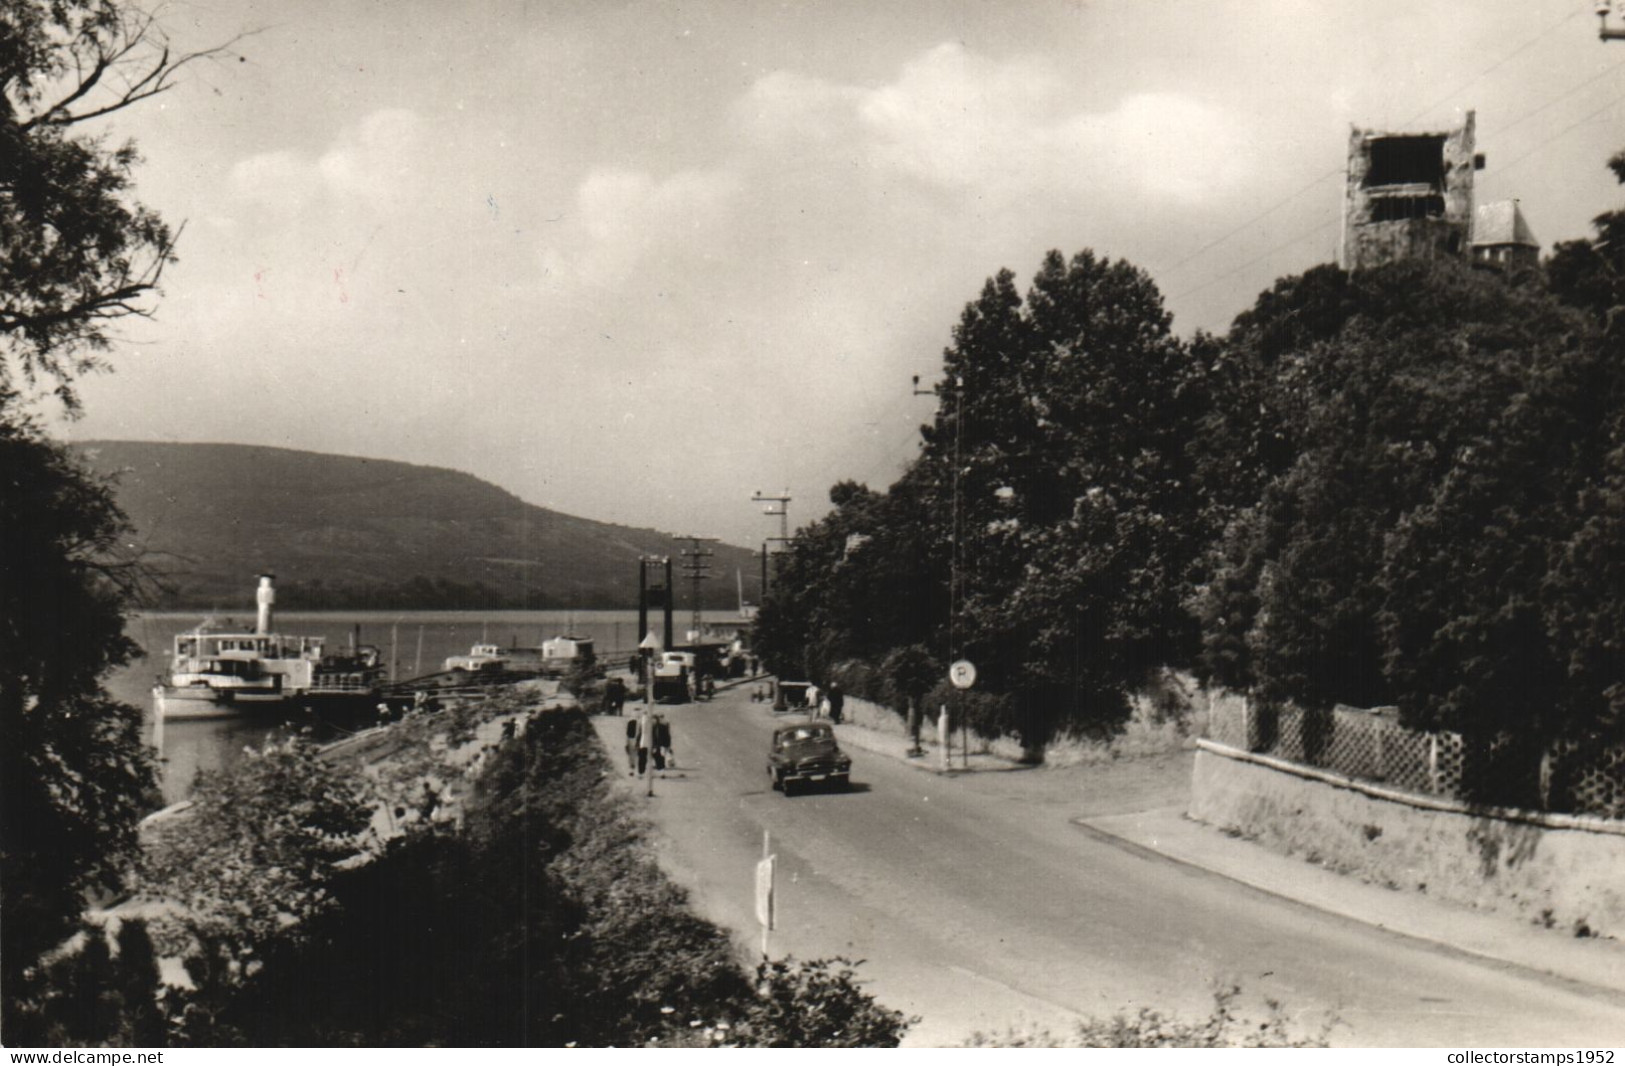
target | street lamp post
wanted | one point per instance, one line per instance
(782, 511)
(954, 649)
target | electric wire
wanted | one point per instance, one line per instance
(1548, 31)
(1527, 115)
(1542, 35)
(1615, 102)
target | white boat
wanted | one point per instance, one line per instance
(496, 657)
(221, 671)
(553, 659)
(561, 654)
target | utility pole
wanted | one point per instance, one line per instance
(649, 592)
(956, 537)
(1606, 32)
(783, 513)
(697, 569)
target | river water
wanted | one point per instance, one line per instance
(414, 642)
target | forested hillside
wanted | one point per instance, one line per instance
(346, 532)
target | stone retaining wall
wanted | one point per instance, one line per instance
(1564, 871)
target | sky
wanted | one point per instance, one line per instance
(638, 261)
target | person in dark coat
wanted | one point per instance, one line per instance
(837, 702)
(660, 742)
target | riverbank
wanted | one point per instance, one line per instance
(494, 892)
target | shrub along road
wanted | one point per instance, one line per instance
(979, 905)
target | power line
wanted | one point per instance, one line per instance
(1256, 218)
(1542, 35)
(1255, 259)
(1527, 115)
(1332, 173)
(1566, 129)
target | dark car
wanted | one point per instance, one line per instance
(807, 751)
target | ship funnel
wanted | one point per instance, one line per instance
(265, 596)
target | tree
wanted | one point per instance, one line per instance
(77, 255)
(1069, 426)
(1442, 422)
(251, 863)
(853, 584)
(1048, 528)
(1591, 274)
(75, 774)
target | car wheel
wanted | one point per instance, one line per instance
(785, 786)
(841, 781)
(778, 782)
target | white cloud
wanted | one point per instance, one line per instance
(374, 161)
(377, 160)
(1164, 144)
(788, 109)
(275, 179)
(959, 120)
(628, 218)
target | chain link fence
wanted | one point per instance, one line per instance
(1571, 776)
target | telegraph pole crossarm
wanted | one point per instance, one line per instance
(696, 568)
(783, 511)
(783, 514)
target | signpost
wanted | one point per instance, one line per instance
(764, 889)
(962, 675)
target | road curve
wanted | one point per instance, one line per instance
(978, 908)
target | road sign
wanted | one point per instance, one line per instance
(962, 674)
(764, 892)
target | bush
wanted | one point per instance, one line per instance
(545, 922)
(804, 1004)
(1224, 1027)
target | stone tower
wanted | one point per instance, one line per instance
(1409, 196)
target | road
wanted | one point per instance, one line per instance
(979, 905)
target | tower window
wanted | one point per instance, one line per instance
(1415, 160)
(1398, 208)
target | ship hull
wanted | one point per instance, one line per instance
(189, 704)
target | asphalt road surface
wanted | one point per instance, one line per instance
(978, 905)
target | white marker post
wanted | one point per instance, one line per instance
(962, 675)
(764, 889)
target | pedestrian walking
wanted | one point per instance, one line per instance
(837, 702)
(643, 740)
(660, 743)
(632, 746)
(812, 699)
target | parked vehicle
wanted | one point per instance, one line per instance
(791, 695)
(807, 752)
(674, 678)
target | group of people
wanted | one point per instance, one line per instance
(648, 739)
(831, 704)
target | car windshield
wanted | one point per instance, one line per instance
(801, 733)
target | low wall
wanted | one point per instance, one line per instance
(1564, 871)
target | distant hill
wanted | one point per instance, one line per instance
(342, 532)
